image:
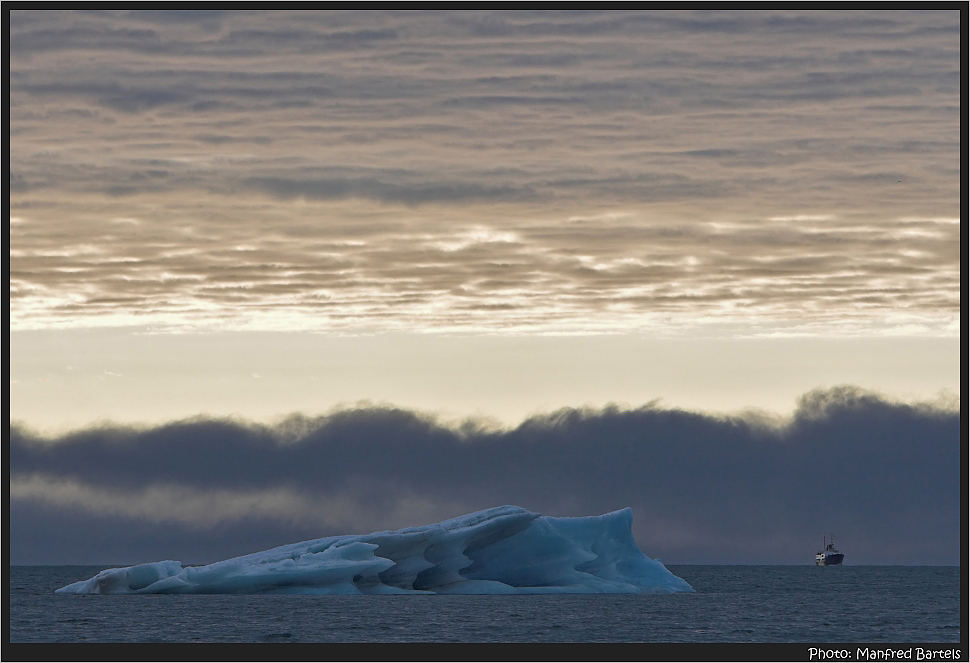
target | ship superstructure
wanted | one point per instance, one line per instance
(829, 555)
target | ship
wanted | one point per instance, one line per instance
(829, 555)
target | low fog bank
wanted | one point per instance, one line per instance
(882, 475)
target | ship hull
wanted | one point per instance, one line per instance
(830, 560)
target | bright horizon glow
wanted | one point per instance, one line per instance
(62, 380)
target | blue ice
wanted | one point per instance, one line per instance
(503, 550)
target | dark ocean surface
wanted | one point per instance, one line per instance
(872, 604)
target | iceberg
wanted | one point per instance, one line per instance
(503, 550)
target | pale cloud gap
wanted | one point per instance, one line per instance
(486, 172)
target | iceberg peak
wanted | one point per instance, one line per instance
(501, 550)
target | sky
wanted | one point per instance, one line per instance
(236, 220)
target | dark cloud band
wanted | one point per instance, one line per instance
(848, 460)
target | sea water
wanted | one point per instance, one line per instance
(810, 604)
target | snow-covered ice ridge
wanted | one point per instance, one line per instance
(503, 550)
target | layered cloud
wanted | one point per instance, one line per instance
(782, 172)
(883, 475)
